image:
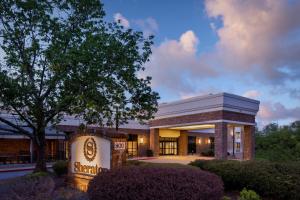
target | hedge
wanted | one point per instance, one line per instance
(60, 167)
(149, 183)
(269, 179)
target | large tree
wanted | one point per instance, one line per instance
(60, 57)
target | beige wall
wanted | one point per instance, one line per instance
(169, 133)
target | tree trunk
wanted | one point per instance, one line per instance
(41, 152)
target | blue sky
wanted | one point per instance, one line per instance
(247, 47)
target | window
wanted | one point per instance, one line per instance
(132, 145)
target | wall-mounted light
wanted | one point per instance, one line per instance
(208, 141)
(199, 141)
(141, 140)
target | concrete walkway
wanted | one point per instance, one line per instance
(172, 159)
(20, 167)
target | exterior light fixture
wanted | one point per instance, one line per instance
(199, 141)
(208, 141)
(141, 140)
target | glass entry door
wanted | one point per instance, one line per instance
(168, 146)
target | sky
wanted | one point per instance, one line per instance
(246, 47)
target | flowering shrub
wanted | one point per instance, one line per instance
(155, 183)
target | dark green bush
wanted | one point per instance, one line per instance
(149, 153)
(208, 153)
(60, 167)
(151, 183)
(269, 179)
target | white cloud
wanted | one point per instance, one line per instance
(175, 60)
(252, 94)
(119, 18)
(259, 37)
(272, 112)
(149, 25)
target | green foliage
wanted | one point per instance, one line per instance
(269, 179)
(149, 153)
(208, 153)
(248, 195)
(61, 57)
(226, 198)
(60, 167)
(282, 144)
(38, 174)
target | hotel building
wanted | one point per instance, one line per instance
(220, 125)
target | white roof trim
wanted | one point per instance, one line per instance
(204, 122)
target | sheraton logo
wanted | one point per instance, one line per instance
(90, 149)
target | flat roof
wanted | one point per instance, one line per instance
(208, 103)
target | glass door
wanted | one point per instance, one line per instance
(168, 146)
(191, 144)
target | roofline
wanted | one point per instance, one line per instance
(208, 96)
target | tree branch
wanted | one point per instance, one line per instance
(23, 117)
(21, 130)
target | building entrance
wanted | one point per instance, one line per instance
(191, 144)
(168, 146)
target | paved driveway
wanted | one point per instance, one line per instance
(174, 159)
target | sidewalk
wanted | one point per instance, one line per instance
(20, 167)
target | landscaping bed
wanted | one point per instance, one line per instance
(269, 179)
(39, 186)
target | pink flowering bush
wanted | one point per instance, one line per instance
(141, 183)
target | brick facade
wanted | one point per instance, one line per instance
(154, 141)
(221, 130)
(14, 146)
(183, 143)
(249, 142)
(202, 117)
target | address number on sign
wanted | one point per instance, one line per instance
(119, 146)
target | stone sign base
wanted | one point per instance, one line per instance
(87, 155)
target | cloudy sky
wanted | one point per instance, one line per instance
(246, 47)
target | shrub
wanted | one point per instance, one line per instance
(248, 195)
(155, 183)
(208, 153)
(60, 167)
(28, 188)
(226, 198)
(149, 153)
(269, 179)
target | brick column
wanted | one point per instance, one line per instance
(183, 143)
(249, 142)
(154, 141)
(221, 140)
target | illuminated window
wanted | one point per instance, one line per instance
(238, 147)
(132, 145)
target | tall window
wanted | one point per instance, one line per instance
(132, 145)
